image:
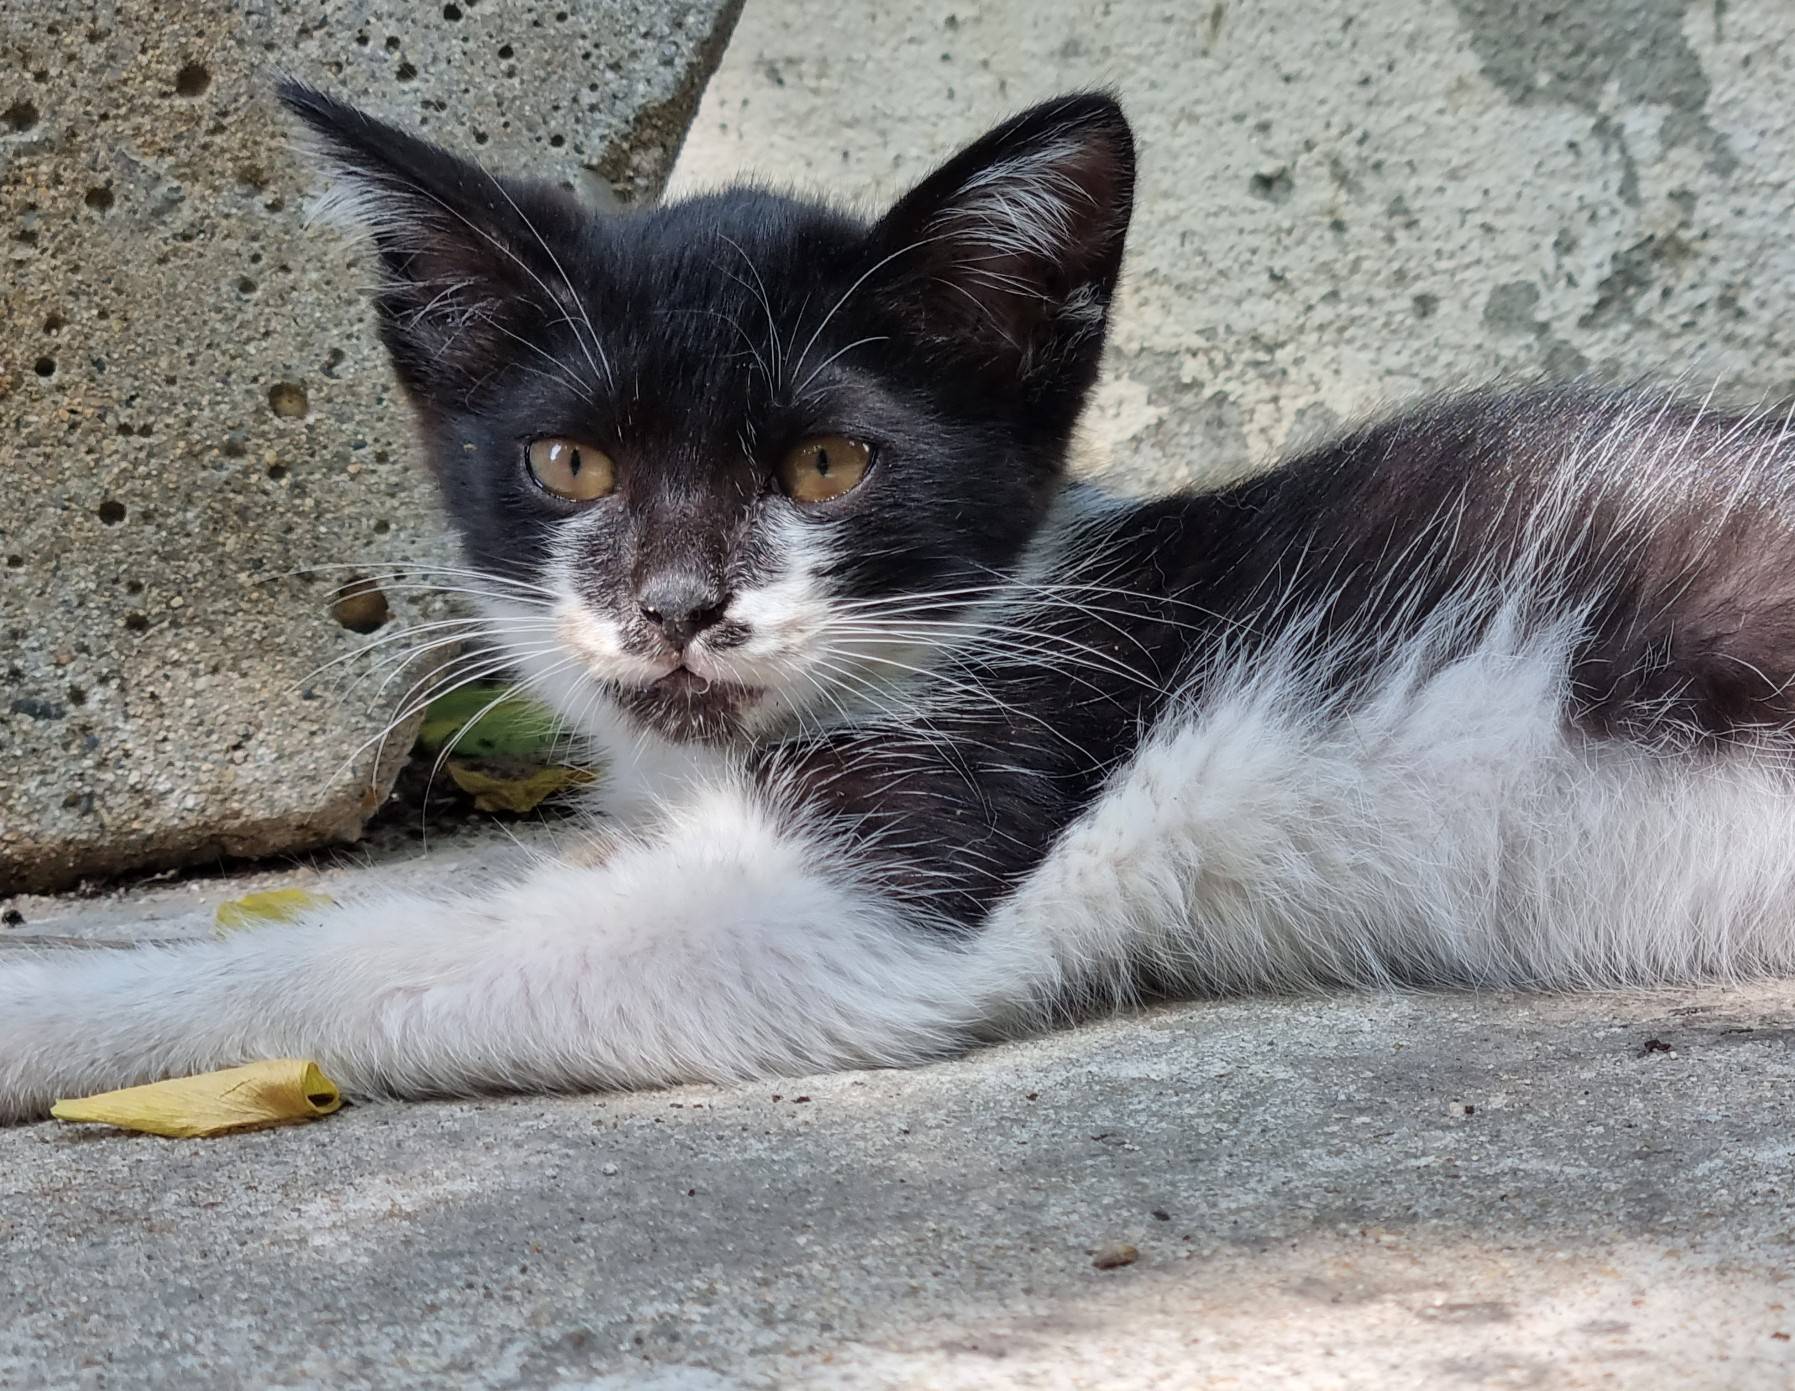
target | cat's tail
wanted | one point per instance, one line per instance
(731, 944)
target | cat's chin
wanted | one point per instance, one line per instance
(688, 708)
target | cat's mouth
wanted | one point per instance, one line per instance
(684, 705)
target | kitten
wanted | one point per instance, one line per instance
(917, 742)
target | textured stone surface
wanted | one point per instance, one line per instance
(1414, 1193)
(1342, 206)
(192, 403)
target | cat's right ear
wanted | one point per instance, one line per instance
(1007, 256)
(471, 264)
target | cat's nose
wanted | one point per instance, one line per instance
(680, 609)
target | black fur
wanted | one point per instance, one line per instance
(715, 350)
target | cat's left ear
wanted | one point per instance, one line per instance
(473, 265)
(1008, 255)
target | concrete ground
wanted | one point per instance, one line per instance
(1380, 1192)
(1358, 1191)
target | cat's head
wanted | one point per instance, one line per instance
(742, 455)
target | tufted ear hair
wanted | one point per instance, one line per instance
(473, 265)
(1009, 253)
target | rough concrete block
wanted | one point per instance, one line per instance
(1343, 206)
(194, 417)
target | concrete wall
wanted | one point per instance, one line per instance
(198, 429)
(1343, 205)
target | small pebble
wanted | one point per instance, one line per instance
(1116, 1253)
(608, 1170)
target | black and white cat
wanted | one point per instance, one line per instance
(912, 742)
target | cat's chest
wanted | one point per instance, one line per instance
(646, 774)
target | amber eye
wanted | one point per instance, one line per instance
(572, 470)
(824, 467)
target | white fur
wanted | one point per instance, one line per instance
(793, 651)
(1024, 205)
(788, 655)
(347, 200)
(1445, 829)
(644, 773)
(719, 947)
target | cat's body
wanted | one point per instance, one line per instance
(944, 746)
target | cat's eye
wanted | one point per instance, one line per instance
(823, 468)
(570, 469)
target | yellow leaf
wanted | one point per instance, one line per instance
(274, 906)
(523, 793)
(278, 1092)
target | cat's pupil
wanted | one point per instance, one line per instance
(822, 463)
(573, 463)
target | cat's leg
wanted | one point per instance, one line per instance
(731, 943)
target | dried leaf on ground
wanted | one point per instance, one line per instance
(282, 1091)
(502, 788)
(274, 906)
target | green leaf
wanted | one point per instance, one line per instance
(498, 723)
